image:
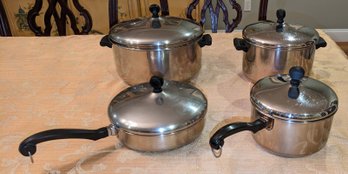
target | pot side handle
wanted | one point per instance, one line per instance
(217, 140)
(28, 146)
(105, 41)
(321, 43)
(205, 40)
(241, 44)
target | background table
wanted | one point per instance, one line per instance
(68, 82)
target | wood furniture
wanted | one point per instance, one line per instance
(60, 18)
(4, 25)
(263, 10)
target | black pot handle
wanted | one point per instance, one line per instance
(241, 44)
(105, 41)
(205, 40)
(321, 43)
(28, 146)
(217, 140)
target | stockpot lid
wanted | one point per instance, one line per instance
(280, 34)
(158, 107)
(294, 97)
(155, 32)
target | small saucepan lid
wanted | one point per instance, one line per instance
(294, 97)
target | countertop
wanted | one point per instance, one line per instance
(68, 82)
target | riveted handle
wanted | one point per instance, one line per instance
(205, 40)
(157, 83)
(241, 44)
(217, 140)
(155, 9)
(280, 16)
(296, 74)
(105, 41)
(28, 146)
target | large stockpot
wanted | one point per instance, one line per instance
(164, 46)
(291, 115)
(155, 116)
(274, 47)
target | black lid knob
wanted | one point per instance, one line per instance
(280, 15)
(157, 83)
(154, 9)
(296, 74)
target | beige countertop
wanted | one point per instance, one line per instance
(68, 82)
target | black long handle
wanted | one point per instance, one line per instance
(28, 146)
(217, 140)
(105, 41)
(205, 40)
(321, 43)
(241, 44)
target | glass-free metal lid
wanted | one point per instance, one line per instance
(157, 107)
(155, 32)
(279, 34)
(294, 97)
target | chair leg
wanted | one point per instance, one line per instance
(263, 10)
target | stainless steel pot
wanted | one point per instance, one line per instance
(154, 116)
(168, 47)
(274, 47)
(291, 115)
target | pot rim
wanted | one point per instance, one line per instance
(295, 117)
(285, 47)
(130, 131)
(160, 47)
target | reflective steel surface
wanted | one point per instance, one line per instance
(259, 62)
(264, 34)
(315, 102)
(137, 66)
(293, 139)
(137, 110)
(169, 32)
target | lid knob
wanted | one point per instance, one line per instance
(157, 83)
(280, 15)
(154, 9)
(296, 74)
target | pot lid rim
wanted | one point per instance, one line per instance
(305, 108)
(182, 38)
(298, 117)
(156, 127)
(305, 37)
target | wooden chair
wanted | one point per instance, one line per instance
(263, 10)
(4, 25)
(60, 21)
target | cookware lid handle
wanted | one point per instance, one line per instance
(154, 9)
(280, 15)
(157, 83)
(296, 73)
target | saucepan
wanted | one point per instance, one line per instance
(165, 46)
(155, 116)
(291, 115)
(274, 47)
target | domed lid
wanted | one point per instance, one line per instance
(157, 107)
(294, 97)
(279, 34)
(155, 32)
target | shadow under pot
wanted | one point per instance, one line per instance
(165, 46)
(155, 116)
(291, 115)
(271, 48)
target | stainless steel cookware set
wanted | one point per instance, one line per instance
(291, 113)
